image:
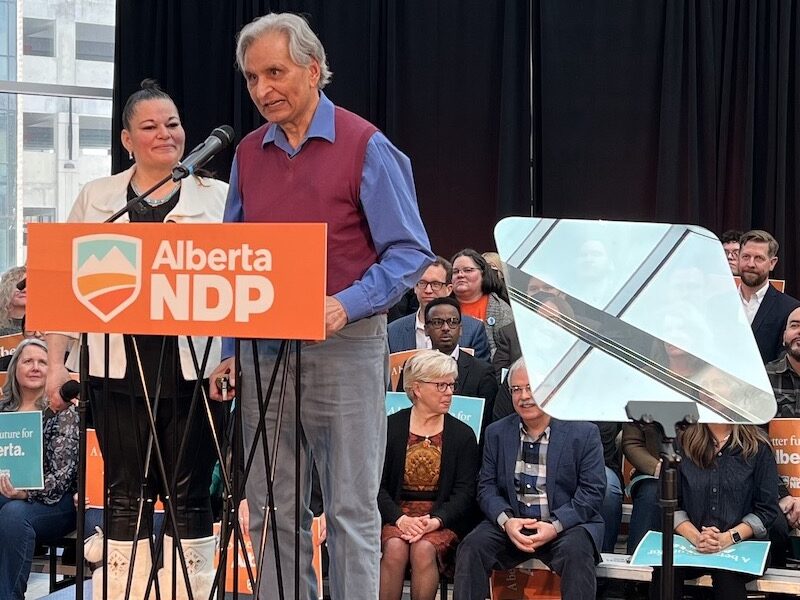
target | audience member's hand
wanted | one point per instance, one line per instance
(244, 516)
(227, 369)
(323, 530)
(431, 525)
(57, 375)
(335, 315)
(9, 491)
(411, 526)
(711, 540)
(545, 532)
(790, 505)
(514, 527)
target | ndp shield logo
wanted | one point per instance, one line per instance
(106, 272)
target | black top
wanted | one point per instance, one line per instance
(173, 383)
(732, 488)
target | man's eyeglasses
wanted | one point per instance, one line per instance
(437, 323)
(732, 253)
(435, 285)
(465, 270)
(441, 386)
(516, 390)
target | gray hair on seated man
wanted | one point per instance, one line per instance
(426, 365)
(304, 45)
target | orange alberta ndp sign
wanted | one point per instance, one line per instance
(247, 280)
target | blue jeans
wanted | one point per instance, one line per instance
(343, 415)
(646, 514)
(22, 523)
(611, 510)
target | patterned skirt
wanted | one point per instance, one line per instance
(444, 540)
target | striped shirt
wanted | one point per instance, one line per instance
(786, 385)
(530, 475)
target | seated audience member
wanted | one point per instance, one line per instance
(481, 293)
(475, 377)
(784, 375)
(495, 263)
(765, 307)
(641, 445)
(540, 489)
(730, 244)
(12, 301)
(31, 516)
(427, 492)
(408, 333)
(726, 494)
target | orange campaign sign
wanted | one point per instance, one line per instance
(785, 437)
(248, 280)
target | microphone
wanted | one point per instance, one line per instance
(70, 390)
(22, 283)
(219, 139)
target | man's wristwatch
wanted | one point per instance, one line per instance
(735, 536)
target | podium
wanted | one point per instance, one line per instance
(240, 280)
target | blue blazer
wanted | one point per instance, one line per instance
(576, 477)
(770, 322)
(402, 335)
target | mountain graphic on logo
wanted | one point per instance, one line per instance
(105, 279)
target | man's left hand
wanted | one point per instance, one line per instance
(545, 533)
(335, 315)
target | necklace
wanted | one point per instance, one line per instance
(721, 442)
(156, 201)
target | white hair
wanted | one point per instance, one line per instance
(304, 45)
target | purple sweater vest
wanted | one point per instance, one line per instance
(321, 184)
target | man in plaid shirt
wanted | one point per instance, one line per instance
(540, 489)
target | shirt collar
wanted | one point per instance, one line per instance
(322, 126)
(420, 326)
(782, 365)
(524, 432)
(455, 352)
(758, 294)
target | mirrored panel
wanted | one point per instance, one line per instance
(609, 312)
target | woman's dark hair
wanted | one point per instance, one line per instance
(490, 281)
(150, 90)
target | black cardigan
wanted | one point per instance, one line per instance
(455, 501)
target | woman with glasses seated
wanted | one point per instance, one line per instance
(481, 292)
(427, 493)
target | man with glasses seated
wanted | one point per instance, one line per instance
(730, 244)
(443, 323)
(408, 333)
(540, 489)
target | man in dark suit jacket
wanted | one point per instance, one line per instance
(765, 307)
(475, 377)
(408, 333)
(540, 490)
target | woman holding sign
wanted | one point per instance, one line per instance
(155, 370)
(31, 516)
(727, 493)
(427, 493)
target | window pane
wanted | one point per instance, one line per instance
(38, 131)
(95, 133)
(94, 42)
(38, 37)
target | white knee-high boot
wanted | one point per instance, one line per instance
(117, 567)
(199, 554)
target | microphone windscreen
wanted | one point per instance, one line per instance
(71, 389)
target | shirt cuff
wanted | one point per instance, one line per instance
(681, 516)
(756, 524)
(558, 526)
(355, 303)
(502, 518)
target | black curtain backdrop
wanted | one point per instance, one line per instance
(676, 111)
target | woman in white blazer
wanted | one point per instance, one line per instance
(154, 137)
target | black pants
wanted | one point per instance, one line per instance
(123, 431)
(488, 548)
(727, 584)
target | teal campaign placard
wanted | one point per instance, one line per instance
(464, 408)
(21, 449)
(745, 557)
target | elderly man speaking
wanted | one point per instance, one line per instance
(315, 162)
